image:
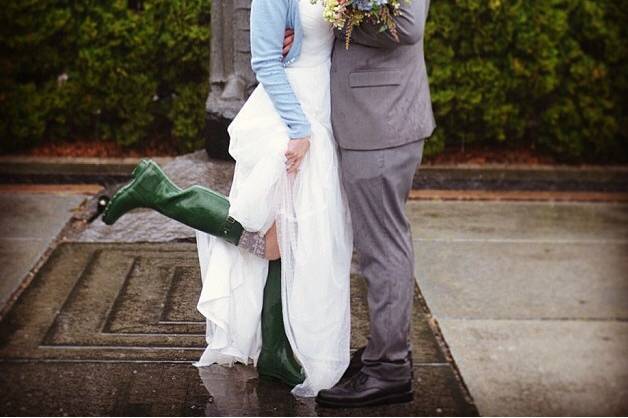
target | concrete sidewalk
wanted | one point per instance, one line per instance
(532, 299)
(31, 220)
(116, 307)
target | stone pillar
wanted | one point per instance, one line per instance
(231, 78)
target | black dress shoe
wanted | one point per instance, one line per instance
(355, 364)
(364, 390)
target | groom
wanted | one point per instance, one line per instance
(381, 113)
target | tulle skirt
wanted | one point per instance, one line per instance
(315, 239)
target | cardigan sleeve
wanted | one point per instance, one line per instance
(268, 25)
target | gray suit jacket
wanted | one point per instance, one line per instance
(379, 89)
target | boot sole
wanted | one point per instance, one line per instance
(383, 400)
(278, 378)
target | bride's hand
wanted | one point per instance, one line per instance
(297, 148)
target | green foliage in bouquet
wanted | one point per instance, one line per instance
(349, 14)
(115, 70)
(549, 74)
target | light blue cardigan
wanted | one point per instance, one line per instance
(269, 20)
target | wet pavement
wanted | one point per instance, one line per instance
(527, 308)
(532, 299)
(166, 389)
(112, 329)
(30, 222)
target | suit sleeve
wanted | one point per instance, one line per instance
(410, 28)
(268, 25)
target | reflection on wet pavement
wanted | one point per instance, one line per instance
(112, 329)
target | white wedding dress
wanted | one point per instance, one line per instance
(313, 222)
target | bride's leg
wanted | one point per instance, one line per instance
(198, 207)
(272, 244)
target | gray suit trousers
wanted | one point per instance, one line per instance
(377, 184)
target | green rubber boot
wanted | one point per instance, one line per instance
(208, 211)
(196, 206)
(276, 359)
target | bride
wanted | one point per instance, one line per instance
(275, 255)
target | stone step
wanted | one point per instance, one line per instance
(123, 318)
(495, 177)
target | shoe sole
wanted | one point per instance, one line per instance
(384, 400)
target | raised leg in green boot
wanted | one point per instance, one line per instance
(196, 206)
(208, 211)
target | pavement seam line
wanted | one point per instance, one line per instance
(523, 241)
(569, 319)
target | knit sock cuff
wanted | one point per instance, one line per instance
(254, 242)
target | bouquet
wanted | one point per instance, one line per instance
(347, 14)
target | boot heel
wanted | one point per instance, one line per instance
(141, 166)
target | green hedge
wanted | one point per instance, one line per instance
(115, 70)
(548, 74)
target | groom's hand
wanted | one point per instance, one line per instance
(288, 39)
